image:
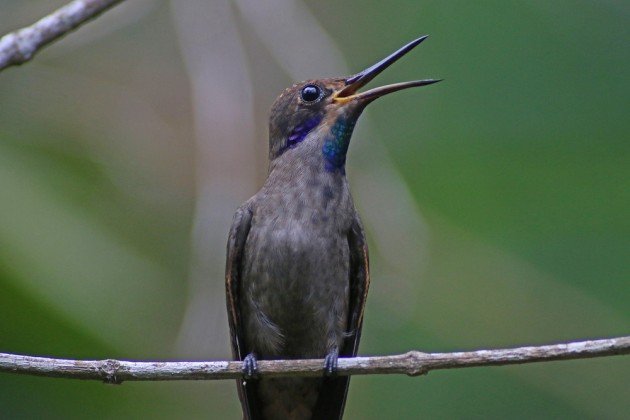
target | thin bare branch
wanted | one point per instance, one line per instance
(412, 363)
(20, 46)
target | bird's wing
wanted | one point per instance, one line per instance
(235, 249)
(332, 399)
(359, 285)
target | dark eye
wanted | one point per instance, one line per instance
(310, 93)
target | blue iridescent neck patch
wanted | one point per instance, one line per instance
(336, 145)
(299, 132)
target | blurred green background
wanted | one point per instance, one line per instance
(496, 202)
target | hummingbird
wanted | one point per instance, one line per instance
(297, 271)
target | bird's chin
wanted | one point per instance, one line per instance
(351, 109)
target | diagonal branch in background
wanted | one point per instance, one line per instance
(412, 363)
(20, 46)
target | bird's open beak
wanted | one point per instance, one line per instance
(354, 83)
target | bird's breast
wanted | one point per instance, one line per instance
(296, 270)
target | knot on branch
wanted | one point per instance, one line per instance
(109, 370)
(415, 363)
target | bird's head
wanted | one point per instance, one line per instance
(319, 115)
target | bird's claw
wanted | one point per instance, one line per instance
(250, 366)
(331, 363)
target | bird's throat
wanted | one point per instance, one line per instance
(336, 144)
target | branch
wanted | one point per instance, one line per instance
(20, 46)
(412, 363)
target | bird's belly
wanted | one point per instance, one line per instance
(296, 285)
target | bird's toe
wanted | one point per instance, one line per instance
(250, 366)
(331, 363)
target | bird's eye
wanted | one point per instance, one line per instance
(310, 93)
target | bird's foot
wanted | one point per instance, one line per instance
(330, 363)
(250, 366)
